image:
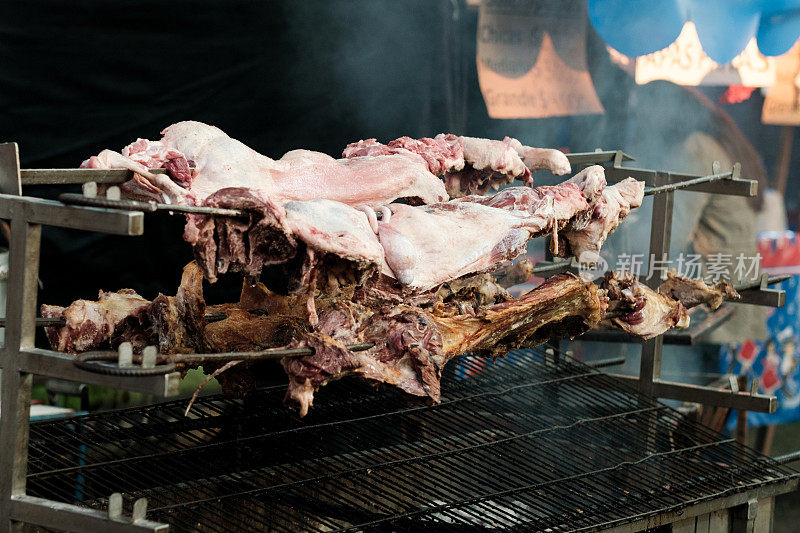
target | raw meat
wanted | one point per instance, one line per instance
(427, 245)
(611, 209)
(470, 165)
(294, 244)
(222, 162)
(692, 292)
(643, 312)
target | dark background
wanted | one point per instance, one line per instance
(77, 77)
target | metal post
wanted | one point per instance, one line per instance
(660, 235)
(23, 274)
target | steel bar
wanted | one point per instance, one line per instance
(93, 361)
(685, 392)
(652, 178)
(23, 275)
(51, 213)
(553, 267)
(71, 176)
(660, 235)
(762, 295)
(66, 517)
(772, 280)
(602, 363)
(9, 169)
(44, 322)
(147, 207)
(649, 191)
(270, 353)
(787, 458)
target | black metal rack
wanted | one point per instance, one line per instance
(532, 441)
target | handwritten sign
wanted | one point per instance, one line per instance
(532, 59)
(684, 62)
(782, 104)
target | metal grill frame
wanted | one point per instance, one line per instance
(20, 359)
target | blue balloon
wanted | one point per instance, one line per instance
(636, 28)
(724, 27)
(778, 32)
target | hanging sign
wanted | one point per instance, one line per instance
(782, 104)
(532, 59)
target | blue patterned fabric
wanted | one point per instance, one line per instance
(774, 361)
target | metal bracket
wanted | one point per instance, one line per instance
(746, 401)
(730, 185)
(762, 294)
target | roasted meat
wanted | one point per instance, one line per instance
(90, 323)
(412, 344)
(692, 292)
(640, 310)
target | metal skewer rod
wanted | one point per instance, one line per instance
(93, 361)
(757, 283)
(147, 207)
(649, 191)
(269, 353)
(43, 322)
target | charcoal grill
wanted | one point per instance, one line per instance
(533, 441)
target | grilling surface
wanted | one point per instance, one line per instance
(534, 441)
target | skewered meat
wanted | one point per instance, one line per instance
(179, 321)
(304, 239)
(245, 245)
(298, 236)
(427, 245)
(413, 339)
(591, 181)
(555, 206)
(89, 323)
(412, 345)
(470, 165)
(222, 162)
(370, 173)
(645, 312)
(612, 208)
(692, 292)
(510, 274)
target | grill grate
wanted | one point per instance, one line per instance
(531, 440)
